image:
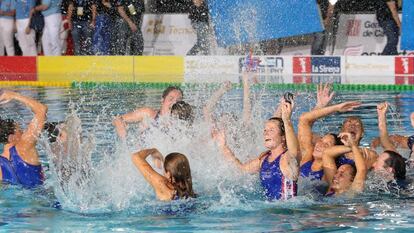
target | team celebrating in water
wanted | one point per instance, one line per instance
(336, 161)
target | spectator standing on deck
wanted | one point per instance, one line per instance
(7, 12)
(199, 20)
(25, 34)
(129, 32)
(101, 41)
(81, 19)
(387, 16)
(319, 38)
(52, 45)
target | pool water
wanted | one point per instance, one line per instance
(116, 198)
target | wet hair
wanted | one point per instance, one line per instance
(52, 131)
(350, 118)
(337, 141)
(353, 171)
(397, 163)
(169, 89)
(281, 124)
(178, 166)
(7, 128)
(183, 111)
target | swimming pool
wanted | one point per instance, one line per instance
(118, 199)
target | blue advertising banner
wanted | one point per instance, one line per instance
(245, 21)
(407, 30)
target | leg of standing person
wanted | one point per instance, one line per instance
(88, 38)
(101, 41)
(26, 41)
(137, 40)
(319, 45)
(391, 31)
(120, 37)
(76, 35)
(51, 41)
(1, 41)
(202, 45)
(7, 35)
(97, 38)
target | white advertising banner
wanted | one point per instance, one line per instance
(274, 69)
(167, 34)
(360, 34)
(211, 68)
(369, 66)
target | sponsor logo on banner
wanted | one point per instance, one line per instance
(404, 70)
(361, 34)
(353, 27)
(404, 65)
(167, 34)
(266, 66)
(302, 65)
(316, 65)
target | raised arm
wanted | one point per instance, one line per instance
(208, 109)
(306, 120)
(324, 95)
(35, 127)
(382, 126)
(120, 122)
(156, 180)
(252, 166)
(328, 158)
(247, 106)
(291, 158)
(361, 170)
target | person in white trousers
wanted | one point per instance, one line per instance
(52, 46)
(7, 12)
(25, 35)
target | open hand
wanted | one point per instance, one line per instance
(6, 96)
(157, 158)
(219, 136)
(324, 95)
(348, 106)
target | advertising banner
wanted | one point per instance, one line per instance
(321, 69)
(404, 70)
(245, 21)
(361, 35)
(167, 34)
(18, 69)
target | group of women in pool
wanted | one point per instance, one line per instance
(337, 160)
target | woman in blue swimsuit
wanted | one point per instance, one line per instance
(348, 178)
(311, 163)
(278, 167)
(175, 184)
(19, 162)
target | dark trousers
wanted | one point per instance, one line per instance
(391, 31)
(202, 46)
(319, 43)
(127, 41)
(102, 36)
(82, 37)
